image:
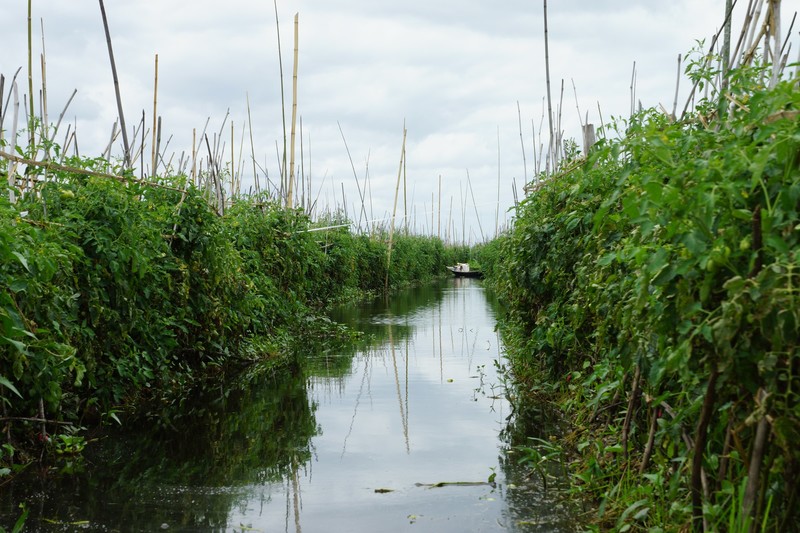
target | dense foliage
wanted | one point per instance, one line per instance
(657, 287)
(115, 292)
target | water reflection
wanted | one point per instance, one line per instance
(401, 431)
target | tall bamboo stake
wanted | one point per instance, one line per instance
(394, 211)
(116, 87)
(497, 205)
(775, 23)
(155, 116)
(522, 144)
(432, 212)
(439, 230)
(234, 190)
(405, 185)
(2, 111)
(252, 146)
(12, 169)
(194, 156)
(289, 200)
(283, 99)
(448, 227)
(362, 213)
(475, 206)
(547, 76)
(31, 137)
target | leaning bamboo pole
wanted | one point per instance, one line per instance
(126, 146)
(362, 213)
(394, 211)
(289, 199)
(252, 146)
(475, 206)
(50, 166)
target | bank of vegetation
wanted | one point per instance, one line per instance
(653, 291)
(118, 292)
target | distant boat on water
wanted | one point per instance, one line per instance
(462, 270)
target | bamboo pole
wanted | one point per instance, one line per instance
(45, 124)
(50, 166)
(475, 206)
(12, 169)
(362, 213)
(60, 116)
(252, 145)
(283, 99)
(405, 185)
(31, 138)
(2, 111)
(233, 166)
(449, 227)
(439, 230)
(547, 77)
(497, 205)
(194, 156)
(775, 23)
(240, 162)
(289, 200)
(155, 115)
(158, 146)
(127, 157)
(522, 144)
(394, 211)
(432, 213)
(677, 86)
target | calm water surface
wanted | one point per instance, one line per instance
(354, 443)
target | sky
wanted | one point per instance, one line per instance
(460, 75)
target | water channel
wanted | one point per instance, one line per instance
(403, 433)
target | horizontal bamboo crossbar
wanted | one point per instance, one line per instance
(49, 165)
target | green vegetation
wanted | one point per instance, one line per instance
(654, 292)
(117, 294)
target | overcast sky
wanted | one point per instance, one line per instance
(452, 70)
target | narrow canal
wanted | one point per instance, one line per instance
(409, 432)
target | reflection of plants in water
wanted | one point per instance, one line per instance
(537, 485)
(250, 430)
(242, 434)
(543, 457)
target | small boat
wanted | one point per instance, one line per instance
(461, 270)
